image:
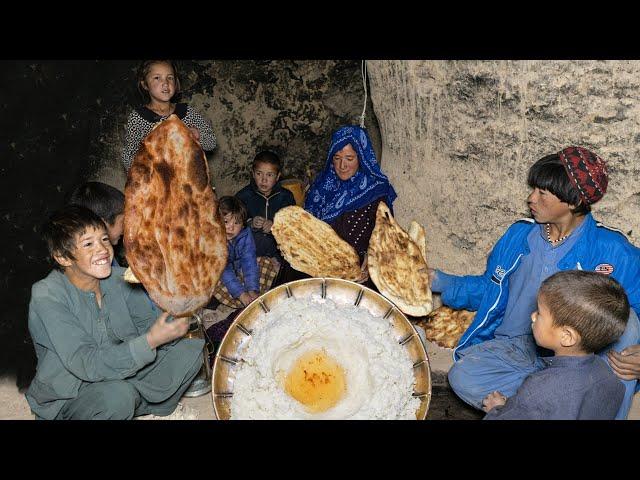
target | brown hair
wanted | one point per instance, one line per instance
(143, 71)
(64, 226)
(267, 156)
(234, 206)
(595, 305)
(104, 200)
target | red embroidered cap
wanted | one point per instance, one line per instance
(587, 172)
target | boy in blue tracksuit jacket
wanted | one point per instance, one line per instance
(498, 351)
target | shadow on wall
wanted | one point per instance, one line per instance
(64, 123)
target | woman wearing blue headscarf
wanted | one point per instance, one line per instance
(346, 193)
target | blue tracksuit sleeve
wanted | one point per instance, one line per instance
(249, 264)
(628, 274)
(459, 292)
(467, 291)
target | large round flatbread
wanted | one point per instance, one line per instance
(397, 264)
(445, 325)
(174, 236)
(312, 246)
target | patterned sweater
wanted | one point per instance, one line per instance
(142, 120)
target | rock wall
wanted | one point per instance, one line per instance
(459, 137)
(62, 123)
(289, 106)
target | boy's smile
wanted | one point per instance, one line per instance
(93, 255)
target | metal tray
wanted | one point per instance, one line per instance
(339, 291)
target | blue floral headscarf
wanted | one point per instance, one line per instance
(329, 197)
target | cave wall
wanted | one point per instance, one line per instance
(459, 137)
(62, 123)
(290, 106)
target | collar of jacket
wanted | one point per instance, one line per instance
(578, 252)
(277, 188)
(243, 233)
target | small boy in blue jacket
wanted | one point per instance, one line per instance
(240, 282)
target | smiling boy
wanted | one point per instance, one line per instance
(102, 353)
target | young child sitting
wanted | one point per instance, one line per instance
(579, 313)
(240, 281)
(105, 201)
(102, 353)
(263, 197)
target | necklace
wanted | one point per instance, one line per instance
(548, 230)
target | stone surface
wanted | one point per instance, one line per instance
(459, 137)
(290, 106)
(62, 123)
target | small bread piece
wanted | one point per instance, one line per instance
(312, 246)
(445, 325)
(397, 266)
(129, 276)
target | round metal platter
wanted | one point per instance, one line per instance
(339, 291)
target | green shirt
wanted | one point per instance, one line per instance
(76, 342)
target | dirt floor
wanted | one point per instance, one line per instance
(445, 405)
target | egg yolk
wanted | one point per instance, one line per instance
(316, 380)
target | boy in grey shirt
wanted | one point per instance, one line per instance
(579, 313)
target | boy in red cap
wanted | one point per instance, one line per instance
(498, 351)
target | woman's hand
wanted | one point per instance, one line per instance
(626, 364)
(162, 332)
(364, 270)
(494, 399)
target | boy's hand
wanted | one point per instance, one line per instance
(257, 222)
(162, 332)
(626, 364)
(266, 226)
(494, 399)
(431, 272)
(247, 297)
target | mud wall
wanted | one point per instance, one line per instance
(62, 123)
(459, 136)
(288, 106)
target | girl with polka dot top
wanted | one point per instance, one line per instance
(158, 84)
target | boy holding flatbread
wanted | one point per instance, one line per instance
(102, 351)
